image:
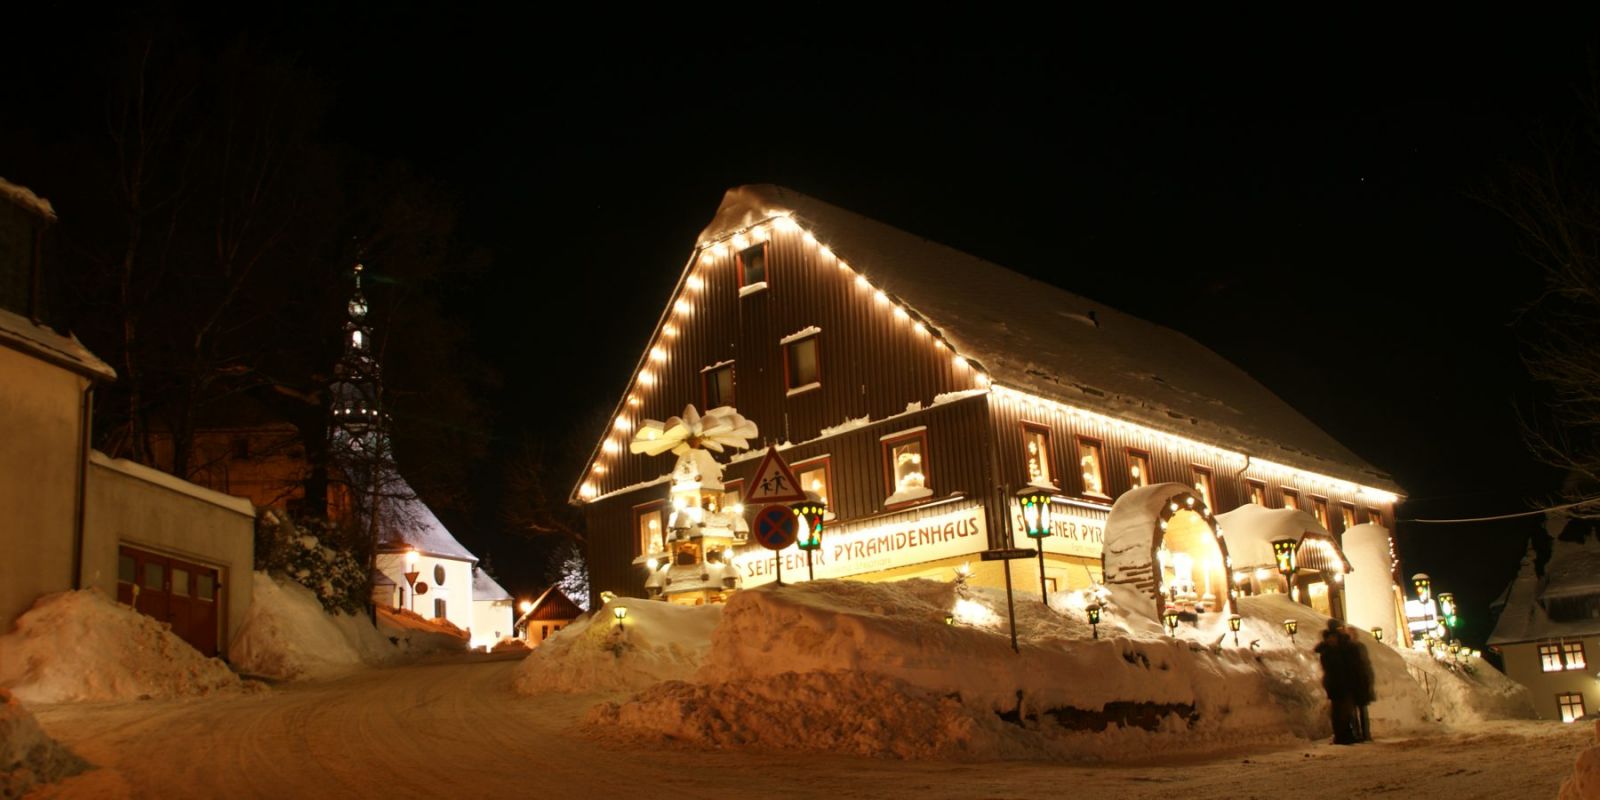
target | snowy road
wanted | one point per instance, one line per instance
(455, 729)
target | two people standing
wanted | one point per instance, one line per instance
(1348, 679)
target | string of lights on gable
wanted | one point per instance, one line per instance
(714, 250)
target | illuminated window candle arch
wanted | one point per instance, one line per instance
(1176, 551)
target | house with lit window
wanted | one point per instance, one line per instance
(546, 616)
(919, 392)
(1549, 622)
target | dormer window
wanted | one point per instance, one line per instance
(800, 362)
(752, 265)
(718, 385)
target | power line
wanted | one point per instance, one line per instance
(1517, 515)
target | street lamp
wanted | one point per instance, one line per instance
(1377, 633)
(1170, 617)
(621, 613)
(1284, 551)
(1289, 627)
(1234, 623)
(412, 574)
(1094, 619)
(1423, 585)
(810, 512)
(1035, 501)
(1447, 610)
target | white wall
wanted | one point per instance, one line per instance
(491, 619)
(456, 589)
(1522, 664)
(40, 436)
(143, 507)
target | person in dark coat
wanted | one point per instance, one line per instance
(1364, 685)
(1339, 681)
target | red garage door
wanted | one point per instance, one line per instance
(178, 592)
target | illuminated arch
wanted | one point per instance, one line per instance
(1141, 525)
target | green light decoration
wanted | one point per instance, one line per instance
(1035, 511)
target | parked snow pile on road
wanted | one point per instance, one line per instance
(656, 642)
(416, 635)
(29, 758)
(287, 635)
(1584, 783)
(82, 647)
(1133, 691)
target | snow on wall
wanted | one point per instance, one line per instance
(288, 636)
(657, 641)
(1369, 599)
(30, 337)
(23, 196)
(1584, 783)
(82, 647)
(1250, 530)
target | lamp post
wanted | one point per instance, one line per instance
(1035, 501)
(1234, 623)
(1284, 551)
(1289, 627)
(1447, 611)
(412, 574)
(1423, 585)
(810, 512)
(621, 613)
(1094, 619)
(1170, 617)
(1377, 633)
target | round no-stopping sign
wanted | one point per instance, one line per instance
(776, 527)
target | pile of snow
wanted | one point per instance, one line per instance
(287, 635)
(416, 635)
(79, 646)
(1133, 691)
(1584, 783)
(29, 758)
(656, 642)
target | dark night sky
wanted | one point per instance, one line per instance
(1301, 207)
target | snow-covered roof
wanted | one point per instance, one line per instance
(1250, 530)
(486, 588)
(553, 604)
(1572, 571)
(24, 197)
(407, 522)
(1070, 348)
(172, 482)
(21, 333)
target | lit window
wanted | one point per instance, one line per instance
(1036, 449)
(1319, 507)
(814, 477)
(648, 522)
(1204, 487)
(1138, 469)
(906, 467)
(1291, 499)
(1258, 493)
(1571, 704)
(800, 363)
(718, 386)
(1092, 464)
(1347, 514)
(752, 265)
(1550, 657)
(1572, 654)
(1375, 516)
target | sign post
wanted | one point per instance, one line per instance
(1006, 555)
(776, 526)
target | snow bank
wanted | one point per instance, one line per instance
(29, 758)
(80, 646)
(805, 652)
(657, 642)
(1584, 784)
(416, 635)
(288, 636)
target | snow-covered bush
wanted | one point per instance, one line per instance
(307, 552)
(572, 573)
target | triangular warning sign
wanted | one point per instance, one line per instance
(774, 482)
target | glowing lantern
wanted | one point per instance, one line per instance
(1035, 511)
(1377, 633)
(1094, 619)
(1289, 627)
(1423, 585)
(621, 613)
(811, 512)
(1170, 617)
(1283, 550)
(1234, 623)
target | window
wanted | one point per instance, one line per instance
(733, 496)
(1258, 492)
(1375, 516)
(180, 582)
(1291, 499)
(1319, 507)
(814, 475)
(905, 466)
(1138, 469)
(718, 385)
(1204, 487)
(1347, 514)
(153, 575)
(752, 264)
(1572, 654)
(1571, 705)
(800, 366)
(205, 587)
(1036, 449)
(438, 608)
(1550, 657)
(127, 569)
(1092, 464)
(544, 632)
(650, 525)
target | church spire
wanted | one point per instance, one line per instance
(358, 387)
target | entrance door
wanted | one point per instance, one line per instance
(178, 592)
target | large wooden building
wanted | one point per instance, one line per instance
(916, 389)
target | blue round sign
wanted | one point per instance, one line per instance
(776, 527)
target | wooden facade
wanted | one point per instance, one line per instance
(881, 370)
